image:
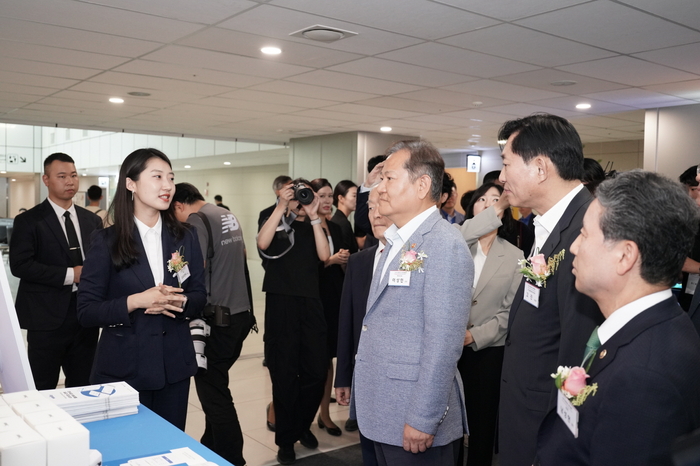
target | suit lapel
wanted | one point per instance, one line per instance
(494, 261)
(379, 283)
(650, 317)
(168, 249)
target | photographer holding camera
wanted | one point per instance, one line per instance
(295, 327)
(227, 316)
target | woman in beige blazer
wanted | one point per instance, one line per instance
(496, 280)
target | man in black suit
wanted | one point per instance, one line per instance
(46, 253)
(549, 321)
(644, 360)
(353, 306)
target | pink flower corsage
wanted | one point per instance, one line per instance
(572, 382)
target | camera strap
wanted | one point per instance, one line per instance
(287, 228)
(210, 256)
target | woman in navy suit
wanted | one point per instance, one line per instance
(126, 289)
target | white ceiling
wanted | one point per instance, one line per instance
(450, 71)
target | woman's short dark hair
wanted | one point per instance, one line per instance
(507, 222)
(593, 174)
(125, 251)
(341, 189)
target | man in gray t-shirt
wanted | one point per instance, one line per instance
(226, 287)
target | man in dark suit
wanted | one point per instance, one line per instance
(644, 360)
(363, 225)
(549, 321)
(277, 185)
(46, 253)
(353, 307)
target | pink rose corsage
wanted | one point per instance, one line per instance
(537, 269)
(572, 382)
(412, 260)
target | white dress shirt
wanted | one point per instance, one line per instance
(70, 274)
(153, 244)
(397, 237)
(622, 316)
(545, 223)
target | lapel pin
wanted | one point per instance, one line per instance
(603, 353)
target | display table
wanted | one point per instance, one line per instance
(139, 435)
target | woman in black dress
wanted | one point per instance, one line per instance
(345, 199)
(331, 276)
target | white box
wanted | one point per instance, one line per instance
(12, 423)
(47, 417)
(6, 411)
(21, 397)
(27, 407)
(67, 443)
(22, 447)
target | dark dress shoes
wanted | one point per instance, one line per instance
(286, 455)
(351, 425)
(308, 440)
(270, 426)
(334, 431)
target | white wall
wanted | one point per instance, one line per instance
(672, 139)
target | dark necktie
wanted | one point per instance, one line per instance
(73, 243)
(591, 348)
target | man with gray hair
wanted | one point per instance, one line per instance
(407, 393)
(641, 385)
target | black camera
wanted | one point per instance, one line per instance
(304, 195)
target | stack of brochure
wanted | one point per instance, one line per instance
(96, 402)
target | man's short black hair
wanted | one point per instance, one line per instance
(186, 193)
(94, 193)
(60, 156)
(374, 161)
(492, 177)
(548, 135)
(218, 198)
(688, 177)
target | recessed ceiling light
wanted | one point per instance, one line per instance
(188, 166)
(271, 50)
(477, 103)
(476, 135)
(475, 119)
(116, 100)
(583, 106)
(84, 174)
(227, 163)
(14, 179)
(502, 142)
(386, 129)
(3, 171)
(563, 82)
(139, 94)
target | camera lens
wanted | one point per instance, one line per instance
(304, 195)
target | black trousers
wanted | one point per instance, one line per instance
(445, 455)
(170, 402)
(295, 349)
(71, 347)
(222, 432)
(481, 376)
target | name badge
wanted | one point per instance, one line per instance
(692, 283)
(183, 274)
(531, 294)
(567, 412)
(399, 278)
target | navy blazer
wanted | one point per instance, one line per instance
(648, 377)
(539, 339)
(353, 307)
(147, 351)
(39, 257)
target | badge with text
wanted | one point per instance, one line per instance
(567, 412)
(531, 294)
(693, 279)
(183, 274)
(399, 278)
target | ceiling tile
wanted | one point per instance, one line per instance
(400, 72)
(612, 26)
(410, 105)
(508, 11)
(685, 89)
(525, 45)
(189, 73)
(313, 91)
(46, 69)
(372, 110)
(437, 20)
(148, 83)
(35, 80)
(456, 60)
(277, 99)
(523, 110)
(340, 116)
(352, 83)
(681, 11)
(184, 10)
(90, 17)
(639, 98)
(240, 43)
(600, 121)
(568, 103)
(277, 22)
(504, 91)
(57, 55)
(44, 34)
(629, 71)
(542, 79)
(684, 57)
(442, 96)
